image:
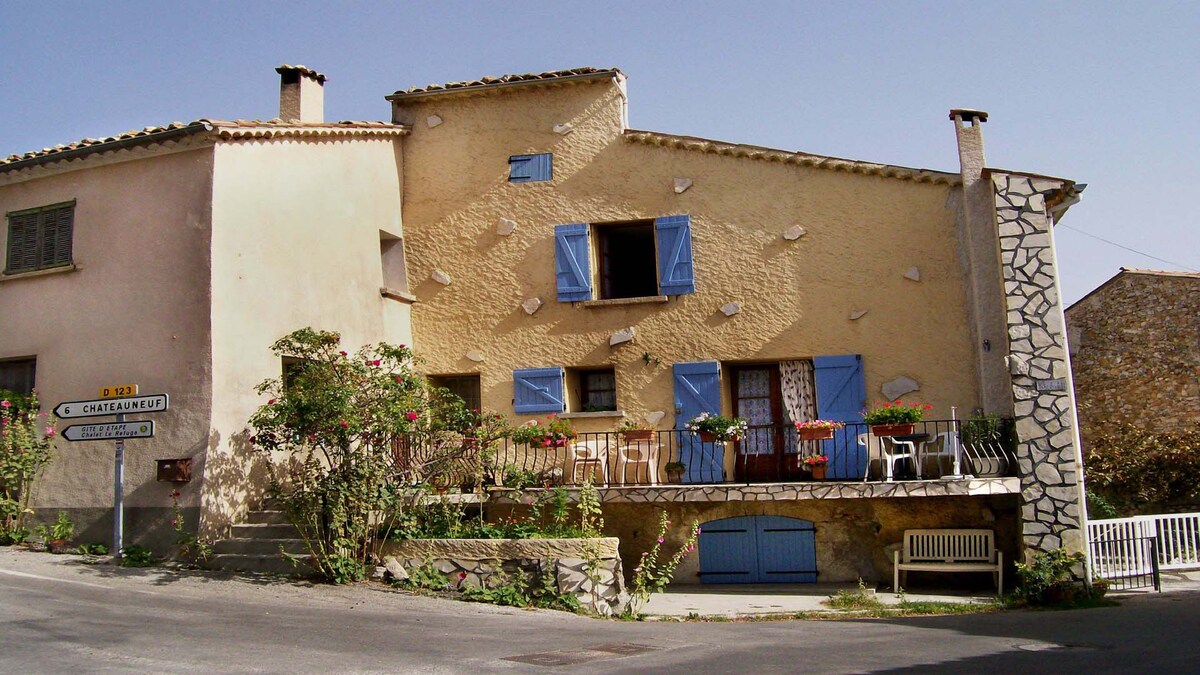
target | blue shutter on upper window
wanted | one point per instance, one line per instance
(675, 270)
(538, 390)
(530, 168)
(572, 262)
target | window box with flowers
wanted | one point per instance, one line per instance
(632, 430)
(815, 465)
(553, 433)
(715, 428)
(817, 430)
(895, 418)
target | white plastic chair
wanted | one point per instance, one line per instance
(586, 460)
(942, 445)
(899, 450)
(637, 454)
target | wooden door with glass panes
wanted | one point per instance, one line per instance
(768, 450)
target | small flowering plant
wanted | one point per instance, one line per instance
(553, 433)
(895, 412)
(723, 428)
(652, 576)
(815, 460)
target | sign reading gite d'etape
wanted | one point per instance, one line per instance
(108, 432)
(113, 406)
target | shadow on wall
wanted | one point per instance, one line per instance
(236, 477)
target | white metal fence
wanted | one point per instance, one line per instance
(1115, 543)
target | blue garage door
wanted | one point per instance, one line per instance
(758, 550)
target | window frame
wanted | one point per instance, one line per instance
(603, 278)
(31, 362)
(441, 382)
(580, 380)
(40, 225)
(531, 168)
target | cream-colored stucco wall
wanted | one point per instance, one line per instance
(863, 233)
(134, 311)
(296, 231)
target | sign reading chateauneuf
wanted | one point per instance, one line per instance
(113, 406)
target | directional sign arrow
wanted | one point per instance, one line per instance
(108, 432)
(112, 406)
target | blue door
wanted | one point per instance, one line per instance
(758, 550)
(841, 397)
(697, 390)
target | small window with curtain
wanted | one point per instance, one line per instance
(597, 390)
(40, 238)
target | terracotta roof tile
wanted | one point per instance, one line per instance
(696, 144)
(304, 70)
(225, 128)
(507, 79)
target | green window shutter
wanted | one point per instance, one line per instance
(22, 254)
(57, 229)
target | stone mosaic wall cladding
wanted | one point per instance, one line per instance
(1048, 452)
(588, 569)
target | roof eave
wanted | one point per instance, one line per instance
(602, 75)
(119, 144)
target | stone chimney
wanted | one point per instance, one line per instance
(979, 239)
(301, 94)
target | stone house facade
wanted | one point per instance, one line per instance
(1135, 351)
(544, 258)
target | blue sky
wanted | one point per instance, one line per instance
(1102, 93)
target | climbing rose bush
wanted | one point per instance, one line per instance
(355, 435)
(26, 438)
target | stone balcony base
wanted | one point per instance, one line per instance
(760, 492)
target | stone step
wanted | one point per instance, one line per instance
(267, 517)
(264, 531)
(261, 564)
(260, 546)
(271, 504)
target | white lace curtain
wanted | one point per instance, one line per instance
(798, 389)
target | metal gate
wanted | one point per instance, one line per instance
(1125, 552)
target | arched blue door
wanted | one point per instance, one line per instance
(757, 550)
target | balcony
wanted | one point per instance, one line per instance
(940, 458)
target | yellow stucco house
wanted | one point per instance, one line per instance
(544, 258)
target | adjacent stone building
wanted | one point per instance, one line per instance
(1135, 351)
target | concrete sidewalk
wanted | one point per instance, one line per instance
(737, 600)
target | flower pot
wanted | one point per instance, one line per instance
(814, 434)
(58, 546)
(638, 435)
(892, 429)
(818, 471)
(675, 476)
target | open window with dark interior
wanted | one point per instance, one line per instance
(627, 262)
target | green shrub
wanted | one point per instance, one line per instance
(137, 556)
(1049, 577)
(1136, 468)
(26, 438)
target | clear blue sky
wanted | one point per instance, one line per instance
(1105, 93)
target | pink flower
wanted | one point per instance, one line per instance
(412, 416)
(344, 353)
(344, 424)
(376, 362)
(49, 431)
(462, 575)
(660, 540)
(5, 404)
(174, 522)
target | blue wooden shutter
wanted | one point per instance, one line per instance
(676, 275)
(727, 551)
(697, 390)
(841, 397)
(538, 390)
(787, 551)
(572, 262)
(530, 168)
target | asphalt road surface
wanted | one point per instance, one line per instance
(58, 615)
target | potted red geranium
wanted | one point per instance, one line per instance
(895, 418)
(816, 465)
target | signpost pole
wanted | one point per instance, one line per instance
(118, 496)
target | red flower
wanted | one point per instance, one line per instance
(928, 407)
(344, 424)
(271, 402)
(344, 353)
(886, 404)
(462, 575)
(376, 362)
(412, 416)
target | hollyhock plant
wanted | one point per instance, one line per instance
(25, 445)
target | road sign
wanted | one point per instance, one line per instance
(109, 431)
(119, 391)
(113, 406)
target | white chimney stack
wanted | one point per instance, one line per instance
(301, 94)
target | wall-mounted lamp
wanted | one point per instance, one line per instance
(987, 345)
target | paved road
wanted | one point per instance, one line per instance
(57, 615)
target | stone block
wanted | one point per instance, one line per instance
(856, 314)
(563, 128)
(433, 121)
(682, 184)
(620, 337)
(898, 387)
(794, 232)
(730, 308)
(532, 305)
(440, 277)
(505, 227)
(913, 274)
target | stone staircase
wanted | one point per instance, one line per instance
(254, 546)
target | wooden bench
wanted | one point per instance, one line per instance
(949, 551)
